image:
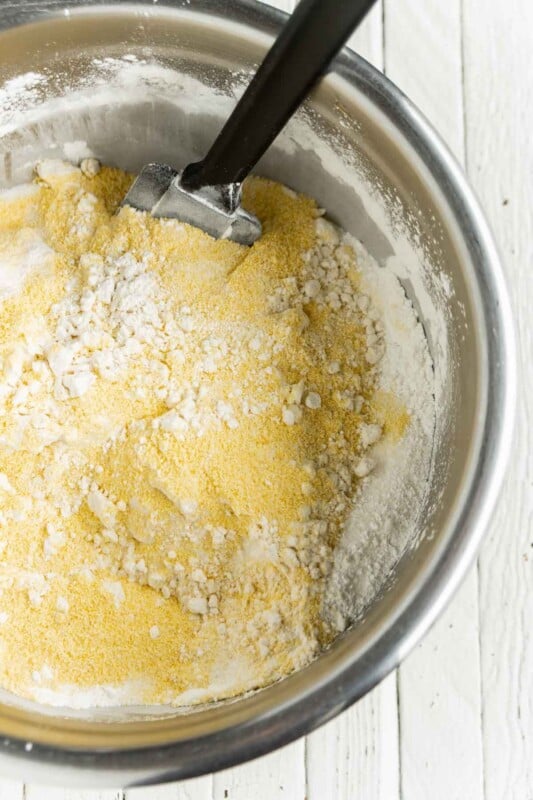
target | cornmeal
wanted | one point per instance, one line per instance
(184, 423)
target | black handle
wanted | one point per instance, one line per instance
(312, 37)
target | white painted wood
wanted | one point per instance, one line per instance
(499, 95)
(423, 57)
(36, 792)
(368, 38)
(277, 776)
(11, 790)
(356, 755)
(439, 685)
(440, 708)
(196, 789)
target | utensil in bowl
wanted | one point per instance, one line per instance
(207, 194)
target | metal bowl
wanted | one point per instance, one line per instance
(366, 154)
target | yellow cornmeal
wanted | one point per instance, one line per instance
(168, 507)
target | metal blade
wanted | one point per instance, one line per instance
(149, 186)
(158, 190)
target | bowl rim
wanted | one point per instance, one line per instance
(238, 743)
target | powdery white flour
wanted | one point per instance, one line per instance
(386, 508)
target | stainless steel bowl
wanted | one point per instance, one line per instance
(368, 156)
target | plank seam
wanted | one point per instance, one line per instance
(464, 109)
(383, 38)
(399, 737)
(306, 768)
(481, 684)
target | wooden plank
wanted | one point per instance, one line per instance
(440, 708)
(423, 57)
(11, 790)
(368, 38)
(277, 776)
(356, 755)
(439, 685)
(36, 792)
(499, 94)
(196, 789)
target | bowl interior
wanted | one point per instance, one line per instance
(145, 86)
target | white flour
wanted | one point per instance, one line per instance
(20, 254)
(386, 509)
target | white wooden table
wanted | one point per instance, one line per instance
(455, 722)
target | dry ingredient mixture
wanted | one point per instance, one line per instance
(184, 424)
